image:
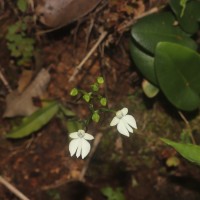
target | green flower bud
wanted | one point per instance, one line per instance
(103, 101)
(74, 92)
(95, 87)
(100, 80)
(87, 97)
(95, 116)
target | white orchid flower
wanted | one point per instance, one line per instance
(125, 123)
(79, 144)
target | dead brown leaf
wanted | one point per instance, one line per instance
(20, 104)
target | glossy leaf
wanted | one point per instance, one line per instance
(189, 21)
(144, 62)
(178, 73)
(155, 28)
(190, 152)
(34, 122)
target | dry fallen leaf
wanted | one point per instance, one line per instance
(20, 104)
(60, 13)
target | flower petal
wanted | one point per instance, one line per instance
(73, 146)
(115, 121)
(122, 128)
(124, 111)
(74, 135)
(88, 136)
(128, 127)
(130, 120)
(85, 148)
(78, 152)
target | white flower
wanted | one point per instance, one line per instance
(79, 144)
(124, 122)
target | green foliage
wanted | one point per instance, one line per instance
(183, 5)
(113, 194)
(73, 126)
(34, 122)
(93, 99)
(155, 28)
(22, 5)
(163, 52)
(179, 83)
(20, 46)
(54, 194)
(190, 152)
(38, 119)
(188, 15)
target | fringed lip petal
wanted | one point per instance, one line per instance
(130, 120)
(73, 146)
(85, 148)
(122, 128)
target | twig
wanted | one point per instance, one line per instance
(188, 126)
(130, 23)
(13, 189)
(78, 68)
(5, 82)
(95, 144)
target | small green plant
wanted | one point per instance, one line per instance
(164, 51)
(79, 144)
(19, 43)
(93, 98)
(113, 194)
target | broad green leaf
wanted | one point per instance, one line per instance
(144, 62)
(34, 122)
(189, 20)
(149, 89)
(159, 27)
(22, 5)
(178, 73)
(190, 152)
